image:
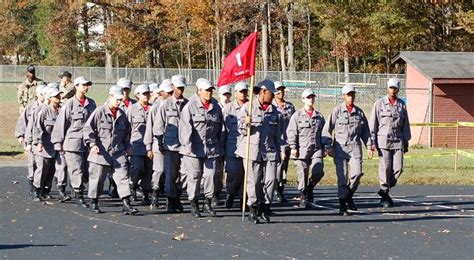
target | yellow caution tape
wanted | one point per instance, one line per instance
(471, 124)
(435, 124)
(466, 154)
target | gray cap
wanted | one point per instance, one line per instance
(82, 81)
(393, 82)
(267, 84)
(52, 91)
(124, 83)
(142, 88)
(154, 87)
(225, 90)
(348, 88)
(166, 86)
(279, 84)
(202, 83)
(40, 89)
(44, 90)
(307, 92)
(116, 91)
(178, 81)
(241, 86)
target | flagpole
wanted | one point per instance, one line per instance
(247, 148)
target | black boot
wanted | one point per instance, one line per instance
(385, 200)
(229, 201)
(215, 201)
(80, 199)
(31, 188)
(343, 207)
(133, 191)
(95, 206)
(155, 204)
(170, 205)
(266, 212)
(178, 205)
(303, 201)
(127, 209)
(195, 209)
(37, 195)
(252, 218)
(146, 198)
(45, 193)
(279, 193)
(208, 207)
(350, 202)
(62, 196)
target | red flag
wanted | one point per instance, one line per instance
(240, 63)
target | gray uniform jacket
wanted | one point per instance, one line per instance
(286, 111)
(151, 142)
(112, 136)
(304, 134)
(230, 131)
(31, 119)
(200, 129)
(42, 131)
(67, 132)
(137, 117)
(350, 130)
(22, 122)
(267, 137)
(165, 129)
(389, 125)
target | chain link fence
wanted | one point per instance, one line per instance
(327, 86)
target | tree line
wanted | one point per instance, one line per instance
(304, 35)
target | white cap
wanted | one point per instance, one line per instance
(44, 91)
(142, 88)
(178, 81)
(225, 90)
(166, 86)
(348, 88)
(393, 82)
(53, 85)
(203, 83)
(307, 92)
(279, 84)
(154, 87)
(82, 81)
(116, 91)
(241, 85)
(40, 89)
(52, 91)
(124, 83)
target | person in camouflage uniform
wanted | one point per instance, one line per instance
(66, 86)
(26, 90)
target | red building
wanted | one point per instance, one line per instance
(439, 89)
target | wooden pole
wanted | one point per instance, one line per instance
(247, 149)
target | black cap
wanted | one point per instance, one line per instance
(65, 74)
(31, 69)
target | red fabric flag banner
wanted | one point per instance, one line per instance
(240, 63)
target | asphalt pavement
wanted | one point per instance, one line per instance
(430, 222)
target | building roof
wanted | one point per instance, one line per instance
(441, 66)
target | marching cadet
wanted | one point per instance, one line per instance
(154, 93)
(45, 155)
(66, 86)
(126, 85)
(234, 166)
(390, 131)
(266, 149)
(165, 130)
(24, 132)
(154, 151)
(304, 140)
(225, 94)
(67, 136)
(286, 109)
(350, 128)
(26, 90)
(107, 134)
(141, 166)
(200, 129)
